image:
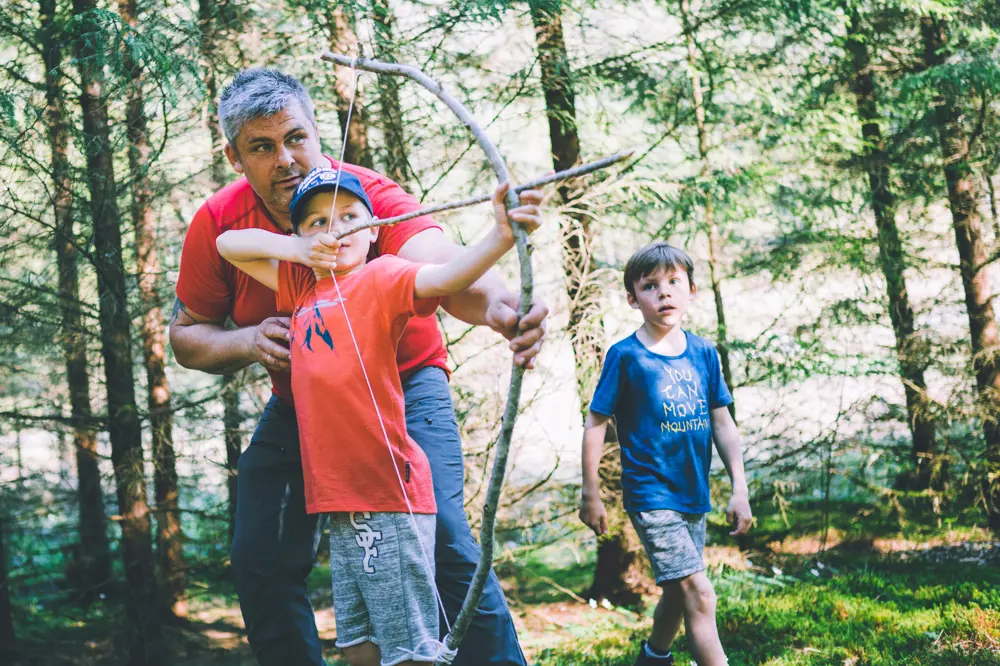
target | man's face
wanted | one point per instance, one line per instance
(663, 296)
(275, 153)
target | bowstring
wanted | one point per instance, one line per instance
(357, 349)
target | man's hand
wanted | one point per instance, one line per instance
(526, 336)
(594, 515)
(270, 344)
(738, 514)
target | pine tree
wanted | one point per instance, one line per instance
(142, 600)
(963, 200)
(892, 261)
(94, 563)
(169, 538)
(618, 555)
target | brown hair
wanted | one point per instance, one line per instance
(658, 255)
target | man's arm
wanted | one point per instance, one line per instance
(201, 343)
(727, 442)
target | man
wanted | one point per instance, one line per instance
(273, 141)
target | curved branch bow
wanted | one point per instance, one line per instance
(465, 615)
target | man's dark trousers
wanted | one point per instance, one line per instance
(275, 541)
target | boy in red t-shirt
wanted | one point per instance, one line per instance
(360, 465)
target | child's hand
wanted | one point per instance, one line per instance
(594, 515)
(319, 253)
(738, 514)
(528, 214)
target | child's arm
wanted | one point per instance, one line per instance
(727, 442)
(468, 266)
(592, 511)
(257, 252)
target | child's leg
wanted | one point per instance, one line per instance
(398, 585)
(699, 620)
(365, 654)
(675, 544)
(667, 618)
(354, 629)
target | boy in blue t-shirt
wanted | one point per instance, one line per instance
(665, 389)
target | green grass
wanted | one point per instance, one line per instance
(859, 609)
(877, 614)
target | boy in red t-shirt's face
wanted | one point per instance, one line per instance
(350, 252)
(359, 463)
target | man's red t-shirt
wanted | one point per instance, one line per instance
(356, 457)
(212, 287)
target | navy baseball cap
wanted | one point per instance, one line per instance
(325, 180)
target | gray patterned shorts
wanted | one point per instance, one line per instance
(674, 542)
(383, 587)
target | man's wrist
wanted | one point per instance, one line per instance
(741, 491)
(249, 344)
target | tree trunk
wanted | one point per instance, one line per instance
(962, 198)
(208, 24)
(343, 39)
(7, 636)
(169, 538)
(145, 641)
(94, 562)
(711, 228)
(619, 563)
(397, 164)
(992, 193)
(892, 260)
(232, 420)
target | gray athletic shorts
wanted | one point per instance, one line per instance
(674, 542)
(383, 585)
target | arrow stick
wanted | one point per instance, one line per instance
(575, 172)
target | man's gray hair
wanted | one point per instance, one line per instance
(259, 93)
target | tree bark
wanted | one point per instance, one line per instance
(962, 198)
(208, 25)
(911, 357)
(343, 39)
(397, 164)
(94, 555)
(619, 562)
(711, 228)
(145, 640)
(169, 537)
(992, 193)
(232, 419)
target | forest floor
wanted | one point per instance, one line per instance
(881, 595)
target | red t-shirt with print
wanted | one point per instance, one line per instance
(212, 287)
(356, 457)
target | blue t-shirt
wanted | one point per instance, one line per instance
(662, 408)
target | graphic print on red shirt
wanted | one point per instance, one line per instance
(347, 462)
(212, 287)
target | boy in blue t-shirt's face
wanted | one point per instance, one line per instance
(662, 297)
(665, 389)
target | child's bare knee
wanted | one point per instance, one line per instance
(699, 593)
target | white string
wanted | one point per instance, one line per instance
(445, 655)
